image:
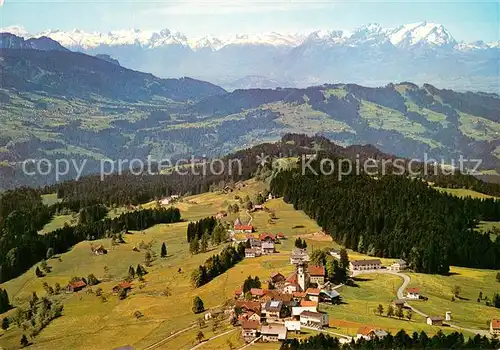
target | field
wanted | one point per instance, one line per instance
(165, 297)
(462, 192)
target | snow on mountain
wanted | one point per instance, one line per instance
(419, 34)
(404, 37)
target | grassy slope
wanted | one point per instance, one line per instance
(462, 192)
(89, 323)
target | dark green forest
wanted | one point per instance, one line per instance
(396, 217)
(399, 341)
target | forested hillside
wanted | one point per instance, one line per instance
(65, 105)
(397, 217)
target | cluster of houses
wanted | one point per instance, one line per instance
(80, 284)
(290, 304)
(262, 244)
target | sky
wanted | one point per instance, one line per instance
(468, 21)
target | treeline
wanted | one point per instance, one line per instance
(92, 213)
(401, 340)
(198, 228)
(465, 181)
(217, 265)
(27, 247)
(395, 217)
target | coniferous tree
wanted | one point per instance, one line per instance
(198, 305)
(131, 273)
(24, 341)
(5, 323)
(163, 253)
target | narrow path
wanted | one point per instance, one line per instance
(169, 337)
(214, 337)
(400, 295)
(250, 216)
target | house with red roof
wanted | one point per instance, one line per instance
(413, 293)
(257, 292)
(243, 228)
(122, 285)
(75, 286)
(317, 274)
(268, 237)
(495, 326)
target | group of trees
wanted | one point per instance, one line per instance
(251, 283)
(394, 216)
(4, 301)
(399, 341)
(217, 264)
(21, 247)
(204, 232)
(300, 243)
(92, 213)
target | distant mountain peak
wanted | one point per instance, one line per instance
(12, 41)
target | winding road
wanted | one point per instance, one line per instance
(400, 295)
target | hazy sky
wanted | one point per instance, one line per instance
(465, 20)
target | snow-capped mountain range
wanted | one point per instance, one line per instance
(369, 55)
(404, 36)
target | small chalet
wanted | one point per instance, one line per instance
(273, 332)
(243, 228)
(221, 215)
(122, 285)
(252, 253)
(100, 250)
(267, 248)
(367, 264)
(257, 292)
(277, 278)
(308, 303)
(413, 293)
(317, 274)
(75, 286)
(435, 320)
(398, 265)
(281, 235)
(250, 330)
(238, 293)
(329, 296)
(267, 237)
(370, 333)
(314, 319)
(495, 327)
(398, 303)
(312, 294)
(258, 207)
(249, 316)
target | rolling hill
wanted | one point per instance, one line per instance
(61, 104)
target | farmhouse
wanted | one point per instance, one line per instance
(281, 235)
(298, 310)
(495, 326)
(249, 330)
(277, 278)
(435, 320)
(330, 296)
(267, 237)
(257, 207)
(367, 264)
(268, 248)
(314, 319)
(246, 306)
(398, 303)
(317, 274)
(252, 253)
(243, 228)
(99, 250)
(273, 332)
(122, 285)
(398, 265)
(255, 243)
(291, 287)
(75, 286)
(413, 293)
(257, 292)
(370, 333)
